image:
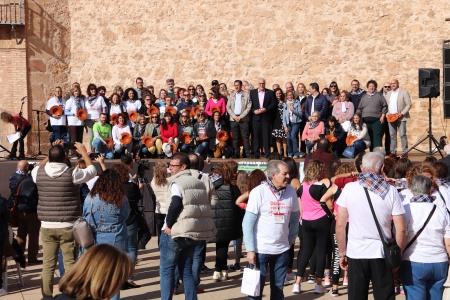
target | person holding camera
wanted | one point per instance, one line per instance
(24, 196)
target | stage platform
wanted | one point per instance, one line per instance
(7, 167)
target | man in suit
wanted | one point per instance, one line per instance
(316, 102)
(238, 108)
(264, 105)
(399, 102)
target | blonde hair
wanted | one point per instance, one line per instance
(420, 169)
(241, 181)
(346, 168)
(314, 171)
(99, 274)
(160, 174)
(6, 117)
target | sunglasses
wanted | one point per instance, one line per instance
(333, 86)
(387, 87)
(184, 116)
(192, 89)
(154, 117)
(185, 94)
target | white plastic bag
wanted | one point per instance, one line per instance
(346, 125)
(251, 282)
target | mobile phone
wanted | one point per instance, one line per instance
(94, 155)
(141, 180)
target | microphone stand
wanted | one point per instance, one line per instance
(38, 112)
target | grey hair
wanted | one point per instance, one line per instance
(447, 149)
(372, 162)
(273, 167)
(421, 185)
(250, 86)
(380, 150)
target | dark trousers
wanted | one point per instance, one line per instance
(261, 133)
(376, 130)
(159, 223)
(221, 256)
(362, 271)
(58, 132)
(76, 135)
(387, 138)
(240, 128)
(20, 142)
(28, 225)
(316, 234)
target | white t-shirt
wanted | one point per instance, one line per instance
(406, 195)
(117, 133)
(132, 105)
(96, 108)
(73, 120)
(62, 103)
(429, 246)
(174, 191)
(364, 242)
(271, 237)
(115, 109)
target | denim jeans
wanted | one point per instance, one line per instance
(202, 147)
(309, 147)
(360, 146)
(198, 262)
(58, 131)
(120, 149)
(292, 139)
(186, 148)
(177, 252)
(278, 265)
(423, 280)
(98, 145)
(132, 231)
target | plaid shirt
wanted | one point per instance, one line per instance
(423, 198)
(444, 182)
(374, 183)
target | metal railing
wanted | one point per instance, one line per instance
(11, 12)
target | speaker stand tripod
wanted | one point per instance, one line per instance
(429, 136)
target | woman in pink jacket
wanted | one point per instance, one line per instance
(215, 101)
(314, 129)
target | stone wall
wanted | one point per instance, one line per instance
(112, 42)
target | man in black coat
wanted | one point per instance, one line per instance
(264, 106)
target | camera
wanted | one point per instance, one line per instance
(94, 155)
(143, 165)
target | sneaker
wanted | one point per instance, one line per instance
(3, 292)
(311, 279)
(205, 269)
(234, 267)
(224, 275)
(334, 293)
(327, 281)
(35, 262)
(217, 276)
(296, 288)
(345, 282)
(290, 276)
(320, 289)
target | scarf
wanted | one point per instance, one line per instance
(270, 185)
(92, 100)
(20, 172)
(358, 92)
(423, 198)
(120, 125)
(344, 109)
(313, 125)
(444, 182)
(218, 126)
(375, 183)
(141, 129)
(76, 101)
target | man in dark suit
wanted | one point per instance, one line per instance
(264, 107)
(316, 102)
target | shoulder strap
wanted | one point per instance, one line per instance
(421, 229)
(18, 190)
(443, 199)
(375, 218)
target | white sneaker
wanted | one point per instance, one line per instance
(217, 276)
(3, 292)
(327, 281)
(290, 276)
(224, 275)
(320, 289)
(296, 288)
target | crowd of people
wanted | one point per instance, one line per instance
(222, 122)
(343, 213)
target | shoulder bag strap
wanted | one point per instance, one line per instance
(443, 199)
(375, 218)
(18, 191)
(421, 229)
(90, 210)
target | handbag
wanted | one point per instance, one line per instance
(421, 229)
(392, 253)
(12, 212)
(82, 230)
(251, 282)
(349, 152)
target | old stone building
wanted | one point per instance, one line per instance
(112, 42)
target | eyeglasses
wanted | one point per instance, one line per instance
(192, 89)
(315, 116)
(154, 117)
(184, 116)
(185, 94)
(174, 166)
(387, 87)
(333, 85)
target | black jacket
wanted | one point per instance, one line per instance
(28, 194)
(227, 216)
(134, 196)
(211, 132)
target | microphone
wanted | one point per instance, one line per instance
(23, 99)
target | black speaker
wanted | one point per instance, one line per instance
(429, 83)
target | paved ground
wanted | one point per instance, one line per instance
(147, 275)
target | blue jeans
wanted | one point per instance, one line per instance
(360, 146)
(278, 265)
(132, 231)
(292, 139)
(198, 262)
(120, 149)
(98, 145)
(202, 147)
(176, 252)
(186, 148)
(61, 264)
(142, 148)
(423, 280)
(58, 131)
(309, 146)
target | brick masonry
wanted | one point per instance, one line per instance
(112, 42)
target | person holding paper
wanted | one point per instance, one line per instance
(22, 126)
